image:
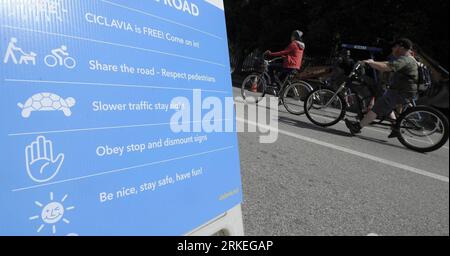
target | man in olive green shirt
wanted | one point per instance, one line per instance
(403, 84)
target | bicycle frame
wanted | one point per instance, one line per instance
(290, 92)
(417, 121)
(267, 77)
(347, 85)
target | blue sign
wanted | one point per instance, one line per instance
(101, 132)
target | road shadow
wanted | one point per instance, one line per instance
(305, 125)
(386, 143)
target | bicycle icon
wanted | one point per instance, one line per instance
(60, 57)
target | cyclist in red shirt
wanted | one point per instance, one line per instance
(292, 55)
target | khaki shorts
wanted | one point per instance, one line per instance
(387, 103)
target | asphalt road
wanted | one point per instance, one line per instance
(315, 181)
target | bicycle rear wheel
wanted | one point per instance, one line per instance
(294, 97)
(324, 108)
(423, 129)
(253, 88)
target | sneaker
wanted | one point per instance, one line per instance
(394, 134)
(354, 127)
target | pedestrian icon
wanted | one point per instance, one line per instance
(13, 51)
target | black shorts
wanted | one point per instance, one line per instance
(278, 67)
(387, 103)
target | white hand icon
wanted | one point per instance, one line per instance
(40, 163)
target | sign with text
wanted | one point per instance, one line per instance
(109, 117)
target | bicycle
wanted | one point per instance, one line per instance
(52, 60)
(291, 92)
(421, 128)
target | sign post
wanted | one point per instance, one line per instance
(106, 113)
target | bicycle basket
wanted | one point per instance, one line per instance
(260, 65)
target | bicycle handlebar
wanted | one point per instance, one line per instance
(275, 59)
(355, 68)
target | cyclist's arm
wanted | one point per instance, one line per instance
(283, 53)
(380, 66)
(59, 52)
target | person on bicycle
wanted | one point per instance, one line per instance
(403, 85)
(60, 53)
(292, 55)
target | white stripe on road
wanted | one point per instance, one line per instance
(371, 128)
(351, 152)
(430, 142)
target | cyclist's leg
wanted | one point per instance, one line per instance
(382, 108)
(274, 67)
(376, 90)
(379, 90)
(285, 73)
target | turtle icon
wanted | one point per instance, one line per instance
(47, 102)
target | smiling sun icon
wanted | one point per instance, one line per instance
(52, 213)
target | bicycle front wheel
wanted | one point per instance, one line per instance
(51, 61)
(294, 97)
(324, 107)
(423, 129)
(70, 63)
(253, 88)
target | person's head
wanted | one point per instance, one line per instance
(14, 40)
(64, 48)
(402, 47)
(296, 35)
